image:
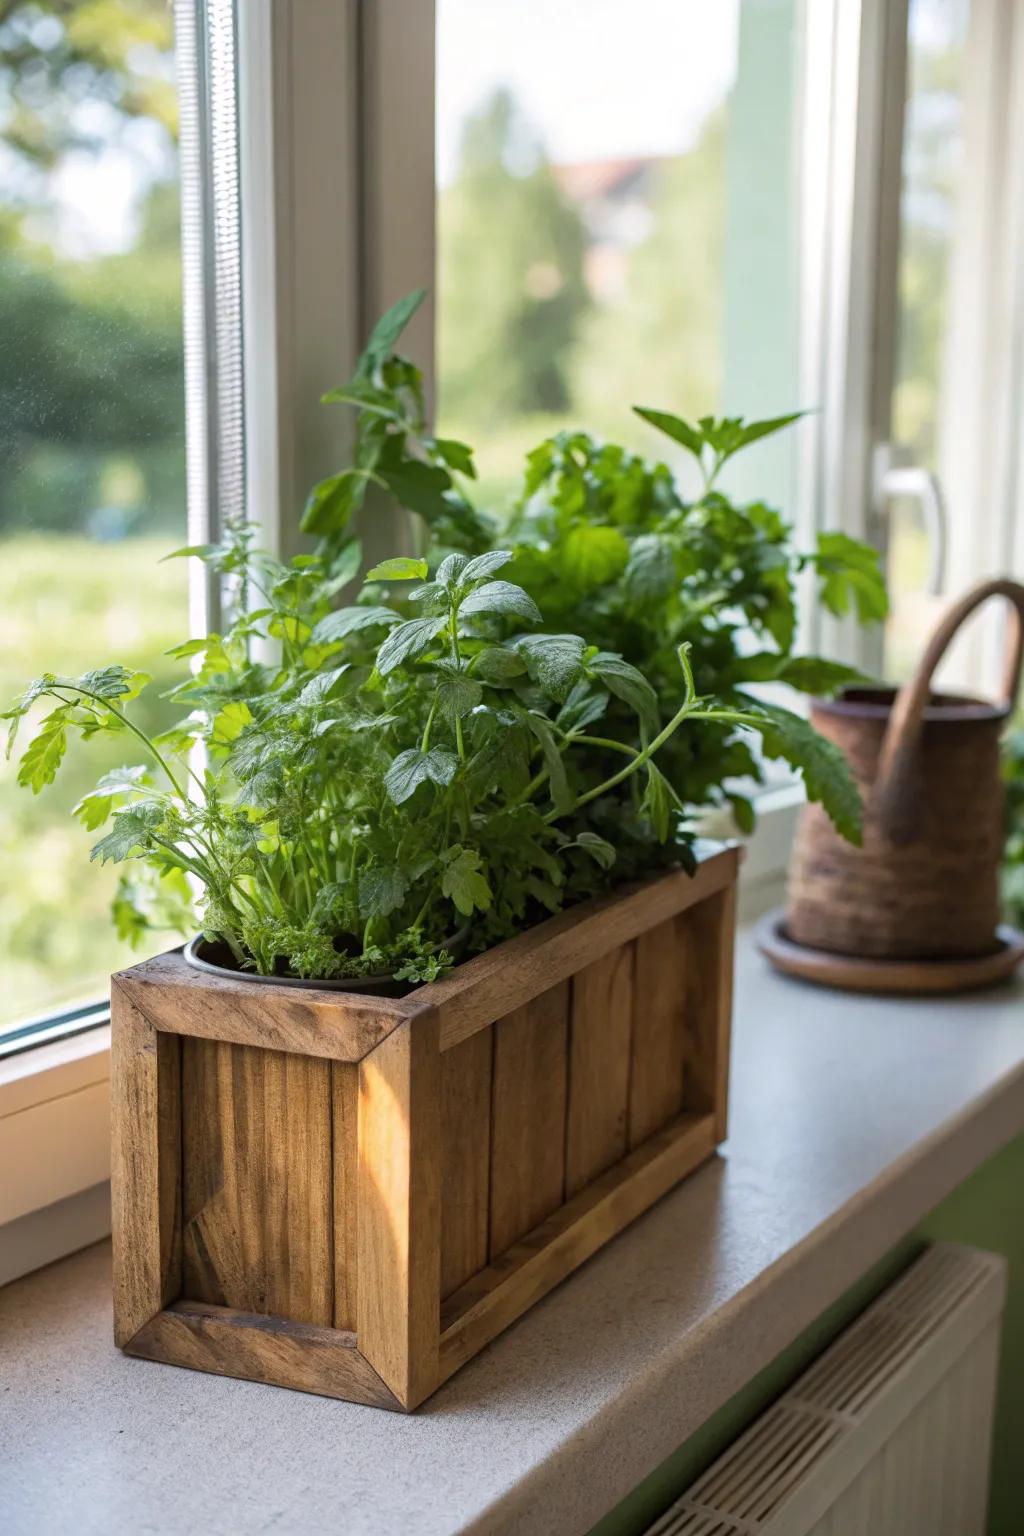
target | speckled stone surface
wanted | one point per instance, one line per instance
(850, 1119)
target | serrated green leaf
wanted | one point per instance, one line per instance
(376, 402)
(400, 568)
(561, 795)
(851, 572)
(592, 556)
(387, 331)
(498, 664)
(584, 705)
(230, 722)
(650, 573)
(628, 684)
(131, 830)
(382, 889)
(412, 768)
(94, 807)
(456, 455)
(483, 565)
(553, 661)
(407, 642)
(449, 572)
(502, 597)
(349, 621)
(344, 567)
(457, 696)
(113, 683)
(600, 850)
(330, 504)
(324, 686)
(815, 674)
(417, 486)
(199, 551)
(753, 431)
(656, 804)
(44, 753)
(464, 882)
(673, 426)
(825, 770)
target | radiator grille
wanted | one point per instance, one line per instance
(887, 1434)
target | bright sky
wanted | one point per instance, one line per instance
(599, 78)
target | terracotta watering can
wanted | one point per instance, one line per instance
(925, 884)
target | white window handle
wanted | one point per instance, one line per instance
(915, 483)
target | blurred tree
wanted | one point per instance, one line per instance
(660, 342)
(91, 394)
(512, 291)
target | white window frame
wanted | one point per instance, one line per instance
(331, 236)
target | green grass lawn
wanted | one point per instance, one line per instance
(68, 604)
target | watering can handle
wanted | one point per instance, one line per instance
(894, 800)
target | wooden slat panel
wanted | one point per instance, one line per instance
(145, 1167)
(711, 933)
(465, 1158)
(599, 1056)
(659, 1038)
(510, 975)
(345, 1109)
(341, 1026)
(399, 1284)
(229, 1343)
(528, 1116)
(257, 1191)
(529, 1269)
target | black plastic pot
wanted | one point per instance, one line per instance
(217, 960)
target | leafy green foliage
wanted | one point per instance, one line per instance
(607, 547)
(485, 735)
(1013, 859)
(395, 774)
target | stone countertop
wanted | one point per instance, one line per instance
(851, 1118)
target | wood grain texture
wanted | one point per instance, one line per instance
(345, 1160)
(479, 1311)
(266, 1349)
(509, 976)
(600, 1034)
(710, 943)
(360, 1228)
(465, 1158)
(659, 1039)
(399, 1264)
(342, 1026)
(528, 1116)
(145, 1167)
(258, 1206)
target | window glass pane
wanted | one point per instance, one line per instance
(91, 434)
(932, 169)
(616, 220)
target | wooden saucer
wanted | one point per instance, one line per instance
(852, 974)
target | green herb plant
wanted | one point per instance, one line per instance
(608, 546)
(1013, 857)
(376, 788)
(392, 781)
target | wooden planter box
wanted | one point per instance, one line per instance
(352, 1195)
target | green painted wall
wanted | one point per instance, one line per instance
(987, 1212)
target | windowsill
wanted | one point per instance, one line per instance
(851, 1118)
(54, 1122)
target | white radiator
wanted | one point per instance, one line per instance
(887, 1434)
